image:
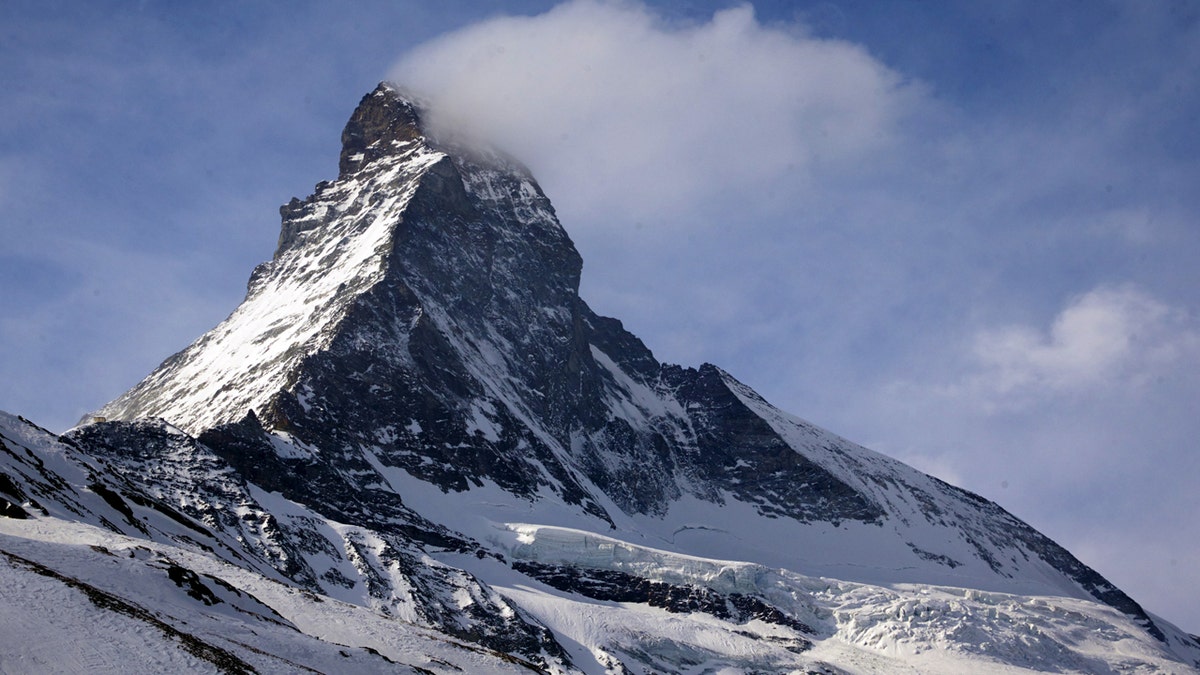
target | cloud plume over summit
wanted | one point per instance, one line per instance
(641, 115)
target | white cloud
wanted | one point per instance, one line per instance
(638, 118)
(1108, 337)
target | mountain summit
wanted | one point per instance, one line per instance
(414, 412)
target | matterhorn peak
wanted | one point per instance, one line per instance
(342, 241)
(415, 360)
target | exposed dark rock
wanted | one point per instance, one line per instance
(616, 586)
(11, 510)
(189, 580)
(380, 119)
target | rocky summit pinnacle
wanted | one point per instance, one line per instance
(413, 378)
(386, 116)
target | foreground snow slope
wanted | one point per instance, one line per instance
(82, 599)
(149, 599)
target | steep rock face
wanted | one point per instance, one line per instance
(424, 309)
(421, 320)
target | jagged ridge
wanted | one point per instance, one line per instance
(420, 319)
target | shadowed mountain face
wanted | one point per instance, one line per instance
(415, 368)
(424, 309)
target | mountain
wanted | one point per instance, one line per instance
(413, 445)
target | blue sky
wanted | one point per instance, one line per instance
(963, 234)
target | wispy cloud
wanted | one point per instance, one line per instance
(1107, 338)
(641, 117)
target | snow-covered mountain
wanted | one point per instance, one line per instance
(413, 446)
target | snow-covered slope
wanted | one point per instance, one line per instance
(414, 413)
(82, 596)
(782, 620)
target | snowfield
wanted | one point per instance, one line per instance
(78, 598)
(81, 599)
